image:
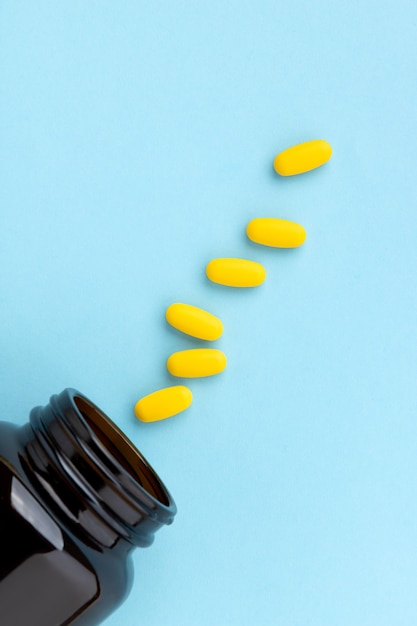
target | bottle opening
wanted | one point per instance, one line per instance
(122, 450)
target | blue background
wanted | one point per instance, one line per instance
(137, 141)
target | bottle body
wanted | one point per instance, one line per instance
(75, 498)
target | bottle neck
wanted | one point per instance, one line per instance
(90, 473)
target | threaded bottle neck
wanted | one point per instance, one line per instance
(92, 474)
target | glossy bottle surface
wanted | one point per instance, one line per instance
(75, 498)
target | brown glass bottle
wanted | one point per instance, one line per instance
(75, 498)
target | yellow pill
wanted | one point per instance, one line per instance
(196, 363)
(194, 321)
(303, 157)
(274, 232)
(163, 403)
(236, 272)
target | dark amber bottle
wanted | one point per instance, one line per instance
(75, 498)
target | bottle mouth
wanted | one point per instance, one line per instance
(99, 478)
(122, 449)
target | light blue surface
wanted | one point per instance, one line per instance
(137, 140)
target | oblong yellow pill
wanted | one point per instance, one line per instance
(236, 272)
(163, 403)
(196, 363)
(275, 232)
(302, 157)
(194, 321)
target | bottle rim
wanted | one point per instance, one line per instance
(91, 461)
